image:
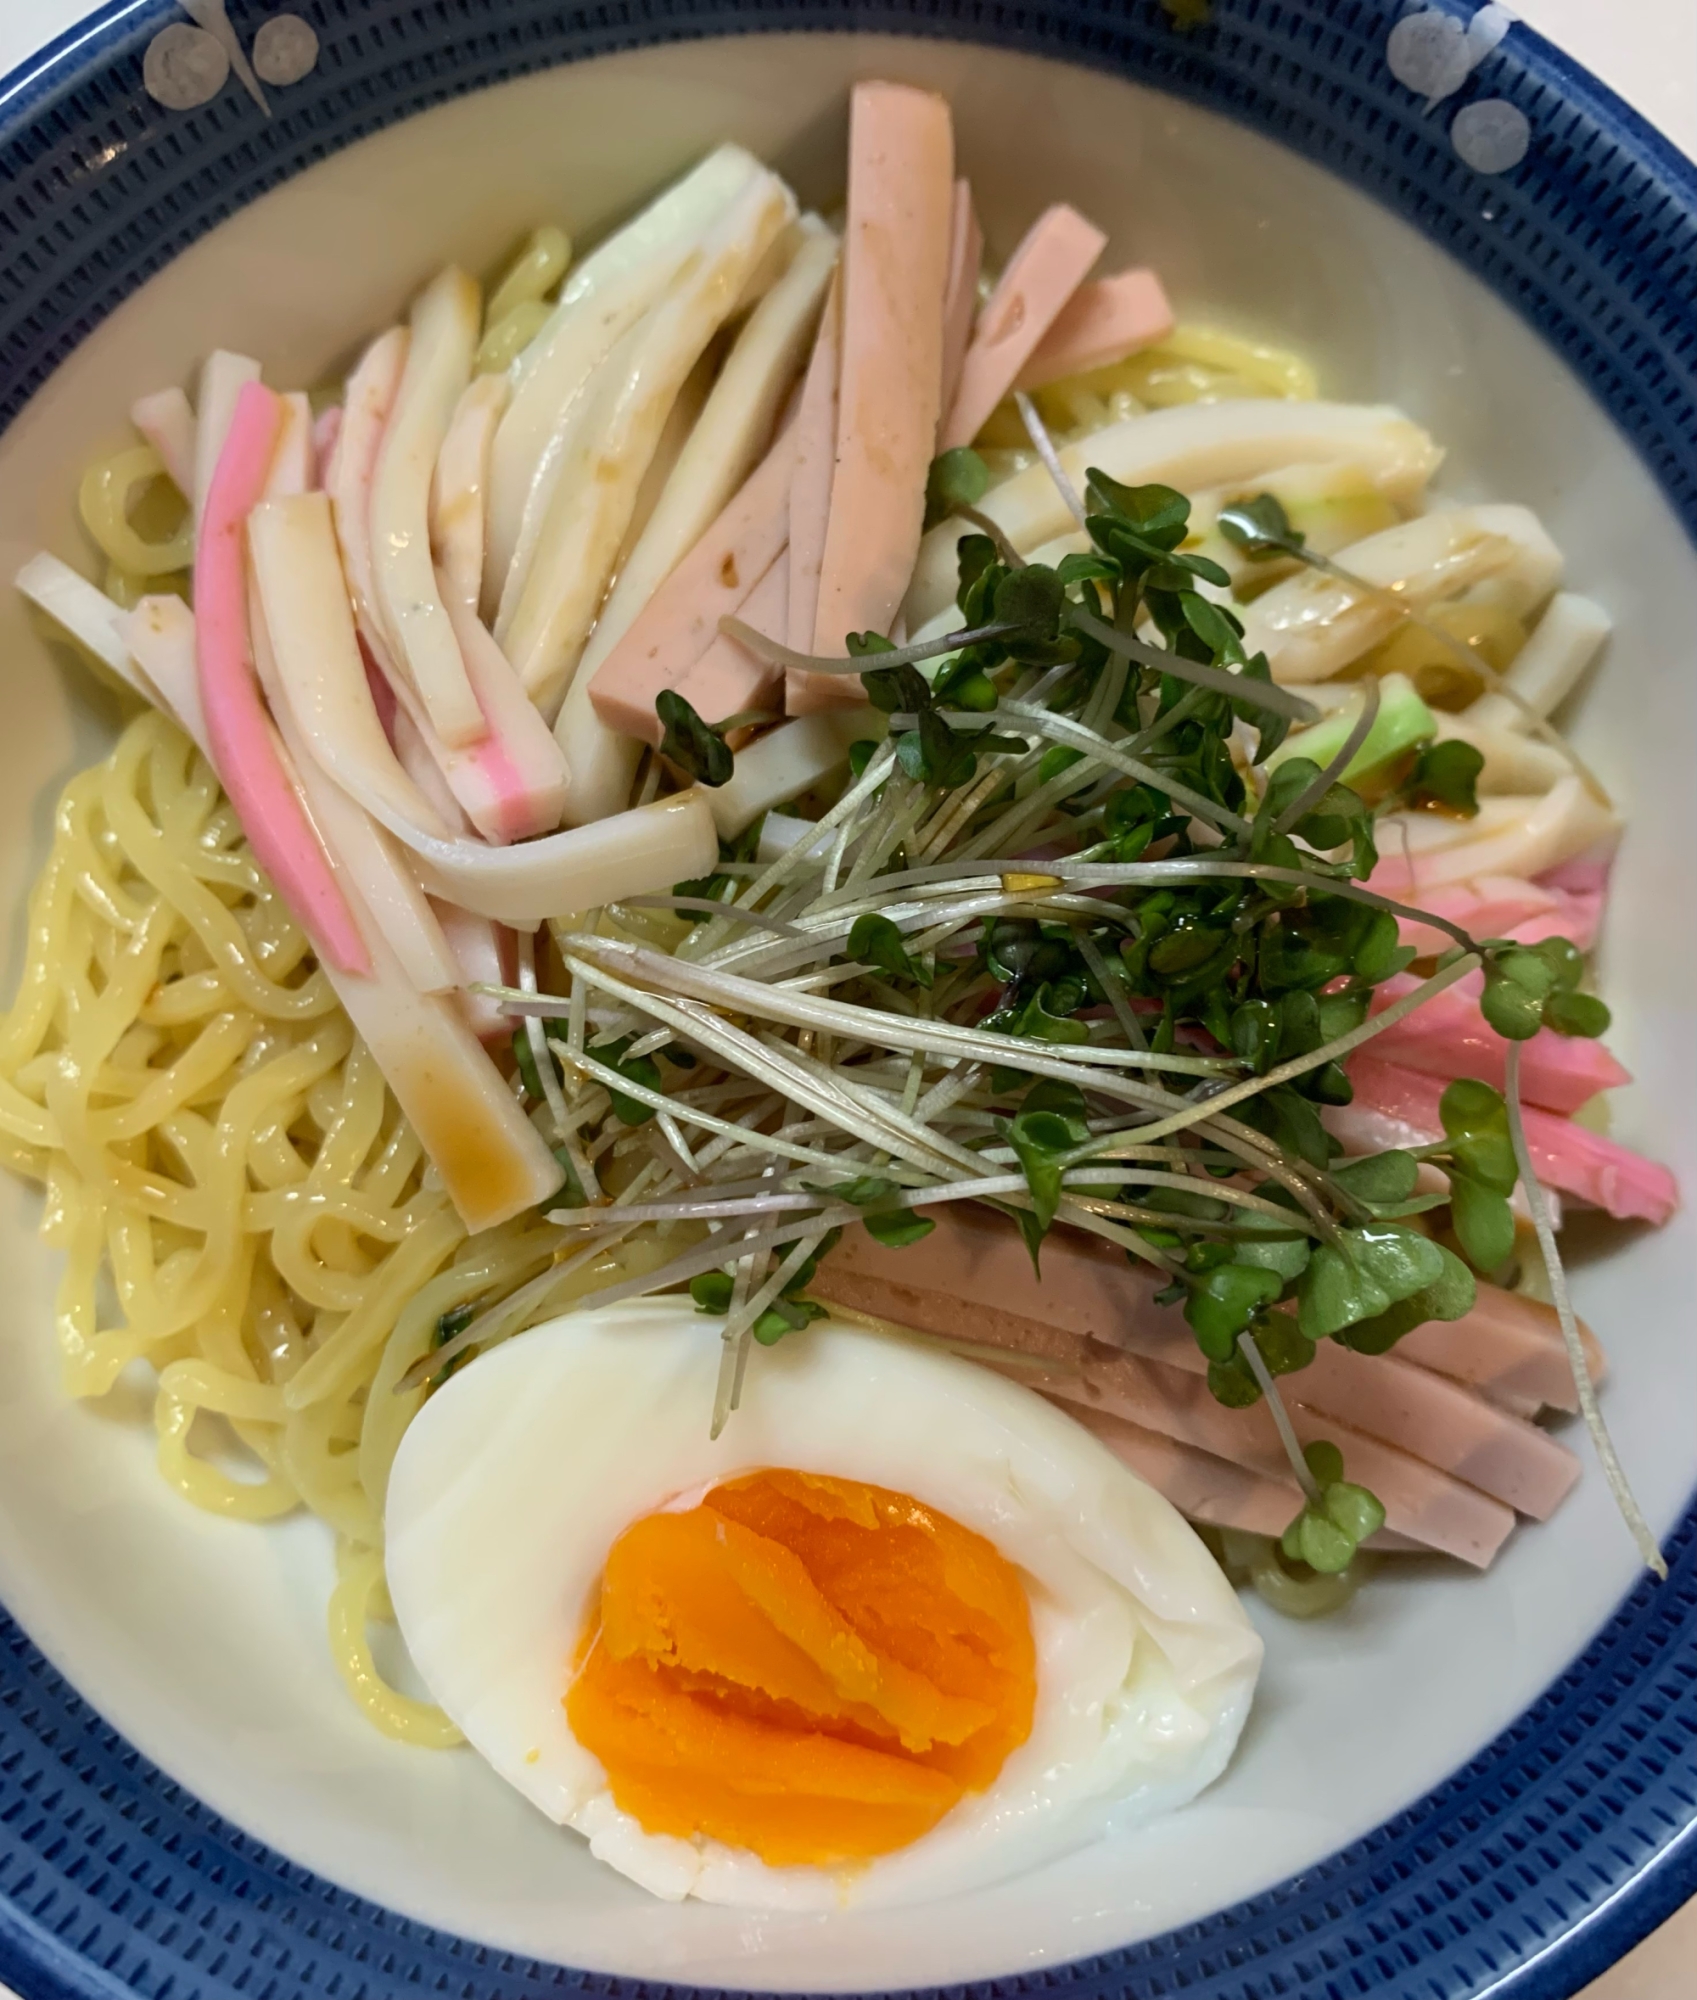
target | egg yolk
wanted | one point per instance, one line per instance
(809, 1668)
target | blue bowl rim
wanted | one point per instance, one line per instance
(1370, 1919)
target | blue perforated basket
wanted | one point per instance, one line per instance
(1575, 1832)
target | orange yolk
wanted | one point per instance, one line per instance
(810, 1668)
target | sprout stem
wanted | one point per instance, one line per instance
(1255, 694)
(1538, 1203)
(776, 654)
(1323, 780)
(1106, 977)
(873, 1025)
(1209, 1107)
(985, 526)
(739, 1326)
(1281, 1417)
(1062, 729)
(546, 1072)
(1044, 446)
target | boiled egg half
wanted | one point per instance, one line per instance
(903, 1629)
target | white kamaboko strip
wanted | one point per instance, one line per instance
(364, 857)
(519, 762)
(475, 941)
(786, 762)
(1549, 666)
(1195, 446)
(460, 490)
(1312, 625)
(160, 635)
(1513, 762)
(166, 420)
(445, 319)
(326, 429)
(369, 869)
(294, 464)
(1309, 493)
(510, 785)
(317, 660)
(478, 952)
(623, 411)
(780, 255)
(602, 299)
(418, 759)
(298, 582)
(637, 853)
(88, 615)
(675, 433)
(1333, 504)
(735, 426)
(386, 885)
(223, 377)
(370, 396)
(1515, 836)
(492, 1160)
(780, 832)
(734, 429)
(482, 780)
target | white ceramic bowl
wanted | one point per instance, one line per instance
(202, 1641)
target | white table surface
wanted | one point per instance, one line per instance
(1646, 50)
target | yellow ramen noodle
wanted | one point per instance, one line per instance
(238, 1200)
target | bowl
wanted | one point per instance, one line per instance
(1462, 1786)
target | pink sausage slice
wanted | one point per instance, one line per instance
(1104, 322)
(895, 272)
(1453, 1428)
(1509, 1347)
(974, 1267)
(680, 622)
(1090, 1302)
(815, 467)
(960, 301)
(1202, 1487)
(1052, 261)
(1421, 1502)
(728, 679)
(1053, 1321)
(1437, 1420)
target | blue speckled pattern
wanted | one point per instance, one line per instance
(1573, 1834)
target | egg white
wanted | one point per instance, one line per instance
(519, 1474)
